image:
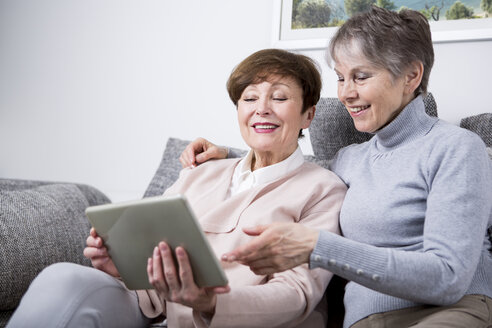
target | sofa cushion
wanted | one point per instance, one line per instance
(38, 227)
(168, 169)
(93, 195)
(480, 124)
(333, 128)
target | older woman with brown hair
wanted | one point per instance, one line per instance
(414, 221)
(275, 93)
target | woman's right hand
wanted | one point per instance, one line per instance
(200, 151)
(277, 247)
(98, 254)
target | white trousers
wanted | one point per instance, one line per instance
(72, 295)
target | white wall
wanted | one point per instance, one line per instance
(91, 90)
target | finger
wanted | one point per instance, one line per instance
(206, 155)
(189, 154)
(94, 242)
(185, 271)
(151, 274)
(183, 161)
(150, 270)
(187, 157)
(170, 273)
(257, 230)
(271, 263)
(99, 262)
(92, 236)
(157, 271)
(220, 290)
(94, 252)
(249, 251)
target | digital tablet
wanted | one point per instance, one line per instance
(131, 230)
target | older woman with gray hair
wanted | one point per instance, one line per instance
(415, 248)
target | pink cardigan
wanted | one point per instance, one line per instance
(309, 195)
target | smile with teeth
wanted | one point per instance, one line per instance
(265, 126)
(357, 109)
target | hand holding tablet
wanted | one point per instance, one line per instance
(132, 230)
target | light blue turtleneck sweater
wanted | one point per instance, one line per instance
(414, 218)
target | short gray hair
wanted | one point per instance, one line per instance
(390, 40)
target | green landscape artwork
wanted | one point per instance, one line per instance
(328, 13)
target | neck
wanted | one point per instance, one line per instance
(264, 159)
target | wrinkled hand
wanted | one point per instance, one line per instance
(177, 284)
(200, 151)
(98, 254)
(277, 247)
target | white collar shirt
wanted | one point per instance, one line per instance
(245, 179)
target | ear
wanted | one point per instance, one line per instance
(308, 117)
(413, 77)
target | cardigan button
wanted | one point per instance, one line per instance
(317, 258)
(359, 272)
(332, 262)
(376, 277)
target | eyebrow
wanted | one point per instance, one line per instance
(273, 85)
(355, 69)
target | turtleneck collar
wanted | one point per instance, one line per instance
(410, 124)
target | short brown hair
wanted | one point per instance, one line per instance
(263, 64)
(390, 40)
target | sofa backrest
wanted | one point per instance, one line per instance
(481, 124)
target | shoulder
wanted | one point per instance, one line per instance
(316, 175)
(448, 138)
(348, 154)
(211, 167)
(352, 150)
(457, 154)
(207, 174)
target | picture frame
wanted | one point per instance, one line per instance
(285, 37)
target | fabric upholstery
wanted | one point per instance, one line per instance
(333, 128)
(168, 169)
(480, 124)
(93, 195)
(40, 226)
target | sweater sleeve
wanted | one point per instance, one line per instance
(458, 212)
(285, 300)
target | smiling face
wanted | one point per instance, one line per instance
(372, 96)
(269, 116)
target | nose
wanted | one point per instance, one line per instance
(347, 91)
(263, 106)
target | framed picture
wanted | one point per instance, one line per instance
(310, 24)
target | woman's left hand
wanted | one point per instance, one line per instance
(176, 284)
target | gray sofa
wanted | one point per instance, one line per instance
(44, 222)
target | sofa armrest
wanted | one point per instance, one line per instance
(40, 223)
